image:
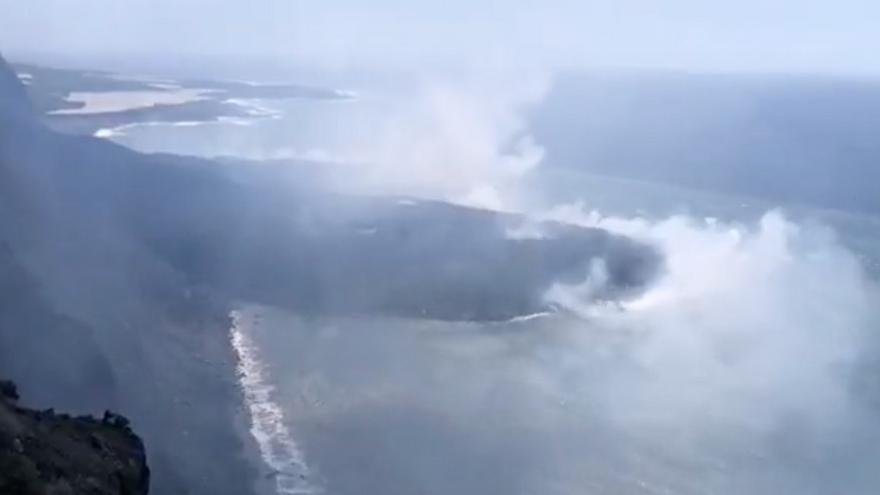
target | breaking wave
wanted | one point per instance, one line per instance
(122, 130)
(268, 427)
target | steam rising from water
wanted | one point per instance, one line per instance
(464, 141)
(733, 373)
(751, 327)
(737, 363)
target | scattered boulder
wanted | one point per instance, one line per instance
(8, 390)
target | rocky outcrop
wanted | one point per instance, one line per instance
(44, 453)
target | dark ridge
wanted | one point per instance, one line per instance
(42, 452)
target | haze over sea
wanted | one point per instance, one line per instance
(733, 373)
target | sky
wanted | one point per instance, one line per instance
(747, 35)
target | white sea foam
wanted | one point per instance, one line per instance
(268, 425)
(188, 123)
(120, 130)
(165, 86)
(111, 132)
(529, 317)
(255, 107)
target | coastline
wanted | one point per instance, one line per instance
(250, 452)
(260, 423)
(239, 417)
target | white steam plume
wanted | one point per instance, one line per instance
(749, 326)
(464, 140)
(747, 340)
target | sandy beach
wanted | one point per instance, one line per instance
(119, 101)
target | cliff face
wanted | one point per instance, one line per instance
(43, 453)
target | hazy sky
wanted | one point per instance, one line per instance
(786, 35)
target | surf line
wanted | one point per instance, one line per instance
(268, 426)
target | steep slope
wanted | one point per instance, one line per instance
(90, 319)
(39, 345)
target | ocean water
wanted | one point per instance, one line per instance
(750, 366)
(549, 404)
(333, 132)
(385, 405)
(308, 129)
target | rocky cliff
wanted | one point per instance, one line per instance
(44, 453)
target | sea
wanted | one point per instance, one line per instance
(749, 366)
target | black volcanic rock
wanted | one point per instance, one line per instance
(45, 453)
(410, 258)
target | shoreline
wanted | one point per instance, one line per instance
(241, 421)
(250, 451)
(282, 469)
